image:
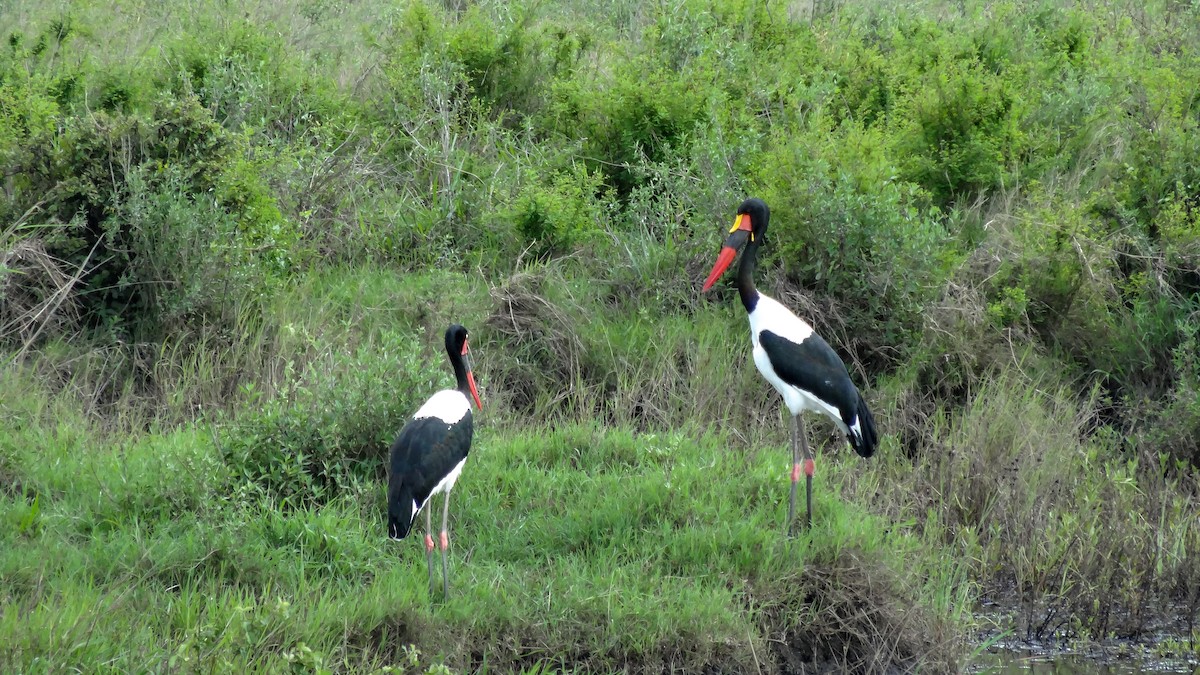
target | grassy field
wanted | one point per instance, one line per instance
(574, 544)
(605, 566)
(230, 242)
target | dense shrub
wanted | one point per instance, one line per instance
(138, 202)
(245, 76)
(553, 218)
(1172, 423)
(643, 113)
(842, 224)
(1162, 124)
(330, 427)
(160, 209)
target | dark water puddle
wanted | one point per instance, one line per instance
(1004, 655)
(1013, 662)
(1166, 649)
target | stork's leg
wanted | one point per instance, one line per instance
(429, 547)
(809, 469)
(445, 545)
(787, 528)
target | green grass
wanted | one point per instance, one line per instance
(231, 242)
(577, 543)
(576, 546)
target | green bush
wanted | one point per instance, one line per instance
(1176, 427)
(959, 129)
(28, 117)
(1178, 228)
(151, 209)
(251, 82)
(330, 429)
(843, 225)
(160, 209)
(559, 214)
(511, 68)
(506, 66)
(1162, 123)
(644, 113)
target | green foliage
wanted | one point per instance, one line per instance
(958, 127)
(507, 65)
(640, 571)
(1162, 118)
(244, 74)
(561, 214)
(643, 113)
(127, 199)
(28, 113)
(1057, 266)
(511, 68)
(843, 224)
(1026, 490)
(176, 256)
(251, 218)
(329, 431)
(1177, 427)
(1010, 308)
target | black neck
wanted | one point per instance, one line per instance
(745, 276)
(458, 361)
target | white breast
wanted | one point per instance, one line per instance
(769, 315)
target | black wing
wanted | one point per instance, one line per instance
(813, 366)
(426, 450)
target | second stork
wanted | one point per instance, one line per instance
(801, 366)
(428, 455)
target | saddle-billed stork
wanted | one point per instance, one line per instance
(801, 366)
(428, 455)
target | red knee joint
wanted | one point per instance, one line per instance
(428, 543)
(445, 540)
(795, 472)
(809, 468)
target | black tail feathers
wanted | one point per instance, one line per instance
(862, 430)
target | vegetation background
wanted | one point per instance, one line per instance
(231, 235)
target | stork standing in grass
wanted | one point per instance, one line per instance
(801, 366)
(428, 455)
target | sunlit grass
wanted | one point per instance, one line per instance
(191, 479)
(631, 547)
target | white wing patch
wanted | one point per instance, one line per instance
(448, 405)
(444, 485)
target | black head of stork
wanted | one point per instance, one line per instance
(802, 367)
(428, 455)
(749, 226)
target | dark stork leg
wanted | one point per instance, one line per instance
(787, 528)
(445, 545)
(429, 548)
(800, 450)
(808, 468)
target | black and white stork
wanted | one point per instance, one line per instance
(801, 366)
(428, 455)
